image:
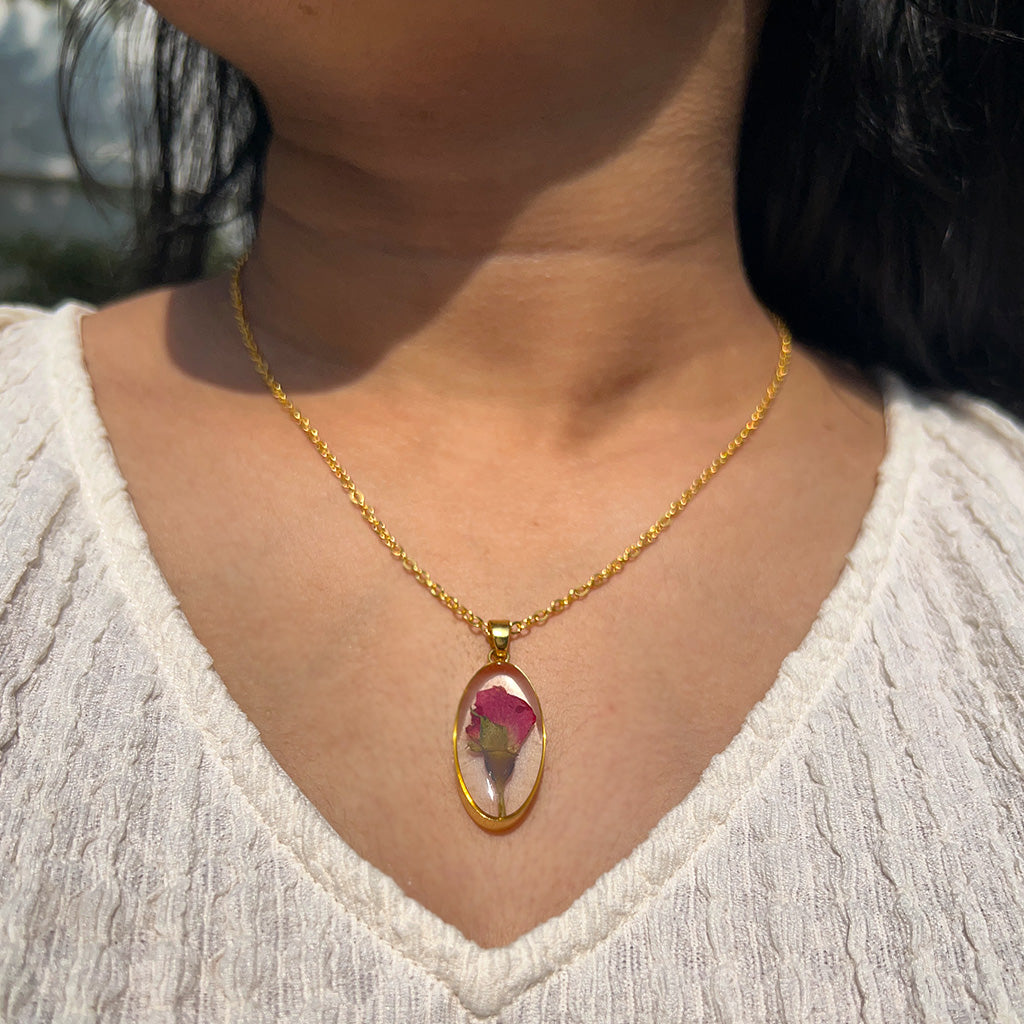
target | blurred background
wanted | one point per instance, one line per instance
(54, 242)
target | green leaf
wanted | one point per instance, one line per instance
(492, 737)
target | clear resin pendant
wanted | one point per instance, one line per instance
(499, 740)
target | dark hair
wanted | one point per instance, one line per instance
(880, 187)
(200, 135)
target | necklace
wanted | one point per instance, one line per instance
(499, 741)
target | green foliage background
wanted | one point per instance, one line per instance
(43, 271)
(43, 268)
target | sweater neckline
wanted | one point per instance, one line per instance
(483, 980)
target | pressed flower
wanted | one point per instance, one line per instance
(500, 723)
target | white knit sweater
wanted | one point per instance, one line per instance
(856, 854)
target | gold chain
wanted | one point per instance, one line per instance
(616, 565)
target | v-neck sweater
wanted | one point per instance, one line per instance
(855, 854)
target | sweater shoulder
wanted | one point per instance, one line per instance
(971, 468)
(32, 341)
(955, 582)
(36, 347)
(23, 332)
(30, 338)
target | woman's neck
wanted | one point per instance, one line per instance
(563, 269)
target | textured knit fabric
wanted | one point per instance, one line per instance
(855, 854)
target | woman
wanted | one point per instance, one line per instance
(498, 271)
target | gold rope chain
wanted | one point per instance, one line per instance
(616, 565)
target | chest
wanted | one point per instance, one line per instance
(352, 672)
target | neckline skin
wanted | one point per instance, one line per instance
(484, 980)
(559, 183)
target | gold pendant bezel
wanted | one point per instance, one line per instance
(490, 822)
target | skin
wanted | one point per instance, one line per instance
(498, 269)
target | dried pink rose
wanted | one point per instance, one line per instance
(500, 723)
(503, 709)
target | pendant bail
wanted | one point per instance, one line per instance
(499, 632)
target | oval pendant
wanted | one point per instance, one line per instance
(499, 744)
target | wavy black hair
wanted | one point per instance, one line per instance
(200, 135)
(880, 188)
